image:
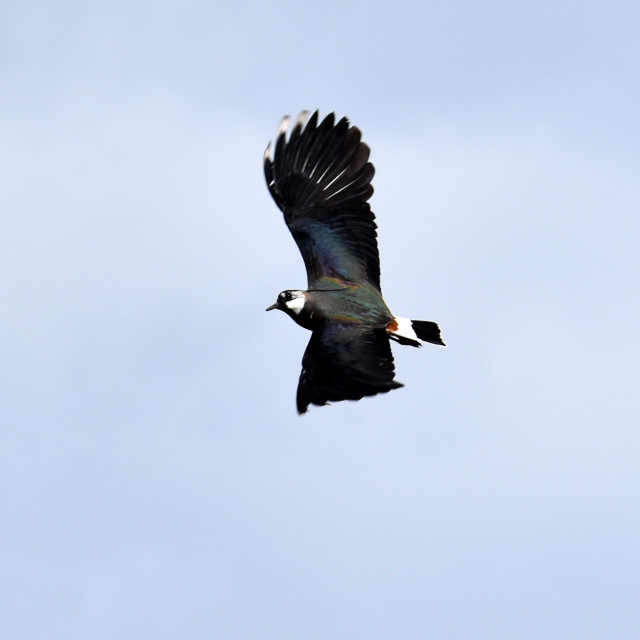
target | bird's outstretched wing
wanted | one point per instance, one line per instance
(321, 179)
(345, 362)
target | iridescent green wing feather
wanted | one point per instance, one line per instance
(321, 179)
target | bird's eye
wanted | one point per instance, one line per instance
(287, 295)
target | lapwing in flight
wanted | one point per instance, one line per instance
(320, 177)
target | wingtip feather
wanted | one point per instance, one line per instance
(283, 127)
(302, 119)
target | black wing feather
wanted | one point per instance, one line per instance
(345, 362)
(321, 179)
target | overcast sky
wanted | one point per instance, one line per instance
(155, 480)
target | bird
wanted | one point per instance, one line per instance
(320, 176)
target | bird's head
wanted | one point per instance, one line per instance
(290, 301)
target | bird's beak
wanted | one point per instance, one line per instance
(273, 306)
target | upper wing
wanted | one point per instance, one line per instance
(321, 179)
(345, 362)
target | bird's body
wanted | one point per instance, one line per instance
(321, 179)
(343, 302)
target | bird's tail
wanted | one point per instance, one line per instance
(410, 332)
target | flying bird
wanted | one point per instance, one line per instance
(320, 177)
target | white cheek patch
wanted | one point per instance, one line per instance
(296, 304)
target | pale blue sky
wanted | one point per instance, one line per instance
(155, 480)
